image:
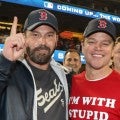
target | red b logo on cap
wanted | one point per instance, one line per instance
(43, 15)
(102, 24)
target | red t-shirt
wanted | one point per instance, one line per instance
(95, 100)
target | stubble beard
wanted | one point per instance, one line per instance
(39, 57)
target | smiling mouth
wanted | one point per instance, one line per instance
(98, 56)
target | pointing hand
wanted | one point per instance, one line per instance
(14, 44)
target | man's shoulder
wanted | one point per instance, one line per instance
(80, 75)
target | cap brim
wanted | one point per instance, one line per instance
(92, 32)
(32, 27)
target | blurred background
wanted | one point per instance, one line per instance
(73, 16)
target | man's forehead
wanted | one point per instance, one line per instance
(99, 39)
(72, 56)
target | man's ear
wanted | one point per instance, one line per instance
(57, 38)
(113, 51)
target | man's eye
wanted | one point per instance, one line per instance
(75, 60)
(106, 44)
(50, 35)
(35, 34)
(69, 60)
(91, 42)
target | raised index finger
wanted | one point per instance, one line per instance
(14, 26)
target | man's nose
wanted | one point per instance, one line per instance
(98, 46)
(42, 40)
(72, 62)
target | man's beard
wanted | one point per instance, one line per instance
(39, 57)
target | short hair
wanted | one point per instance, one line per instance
(71, 50)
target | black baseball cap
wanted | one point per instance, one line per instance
(40, 17)
(100, 25)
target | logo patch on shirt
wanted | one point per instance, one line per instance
(49, 98)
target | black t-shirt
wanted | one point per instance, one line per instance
(50, 95)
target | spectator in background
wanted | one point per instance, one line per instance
(72, 61)
(78, 47)
(116, 55)
(34, 88)
(94, 92)
(73, 65)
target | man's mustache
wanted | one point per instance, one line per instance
(43, 47)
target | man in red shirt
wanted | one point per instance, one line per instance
(94, 92)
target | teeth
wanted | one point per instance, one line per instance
(97, 55)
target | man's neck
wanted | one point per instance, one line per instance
(97, 74)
